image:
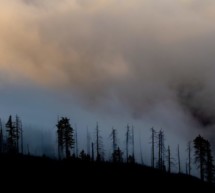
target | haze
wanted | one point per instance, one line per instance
(146, 62)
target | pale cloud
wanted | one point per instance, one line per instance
(142, 52)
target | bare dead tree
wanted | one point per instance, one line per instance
(170, 159)
(92, 151)
(127, 141)
(141, 153)
(113, 136)
(99, 144)
(189, 149)
(179, 160)
(21, 136)
(76, 141)
(153, 147)
(161, 150)
(17, 133)
(88, 142)
(133, 142)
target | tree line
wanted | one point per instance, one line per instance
(13, 144)
(161, 157)
(203, 157)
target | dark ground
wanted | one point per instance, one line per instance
(44, 174)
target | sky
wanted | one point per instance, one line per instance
(148, 63)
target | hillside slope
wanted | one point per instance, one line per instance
(38, 172)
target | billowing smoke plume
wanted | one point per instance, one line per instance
(148, 55)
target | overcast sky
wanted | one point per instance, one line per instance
(143, 62)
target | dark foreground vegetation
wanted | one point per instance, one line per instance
(78, 171)
(29, 172)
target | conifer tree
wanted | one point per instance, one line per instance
(65, 137)
(11, 136)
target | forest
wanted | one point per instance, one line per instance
(121, 164)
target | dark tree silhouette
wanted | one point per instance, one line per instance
(210, 169)
(153, 147)
(65, 136)
(115, 152)
(99, 152)
(141, 153)
(179, 159)
(117, 156)
(12, 136)
(133, 154)
(28, 150)
(161, 151)
(92, 151)
(127, 141)
(19, 134)
(1, 137)
(76, 141)
(204, 158)
(113, 136)
(83, 156)
(68, 137)
(88, 142)
(97, 143)
(189, 150)
(169, 159)
(200, 152)
(60, 134)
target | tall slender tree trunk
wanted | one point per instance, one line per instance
(141, 153)
(17, 134)
(76, 141)
(179, 161)
(127, 141)
(97, 143)
(189, 158)
(133, 142)
(114, 139)
(88, 142)
(21, 136)
(153, 148)
(169, 160)
(92, 151)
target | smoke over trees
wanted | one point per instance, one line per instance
(11, 143)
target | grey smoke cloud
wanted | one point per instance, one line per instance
(149, 56)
